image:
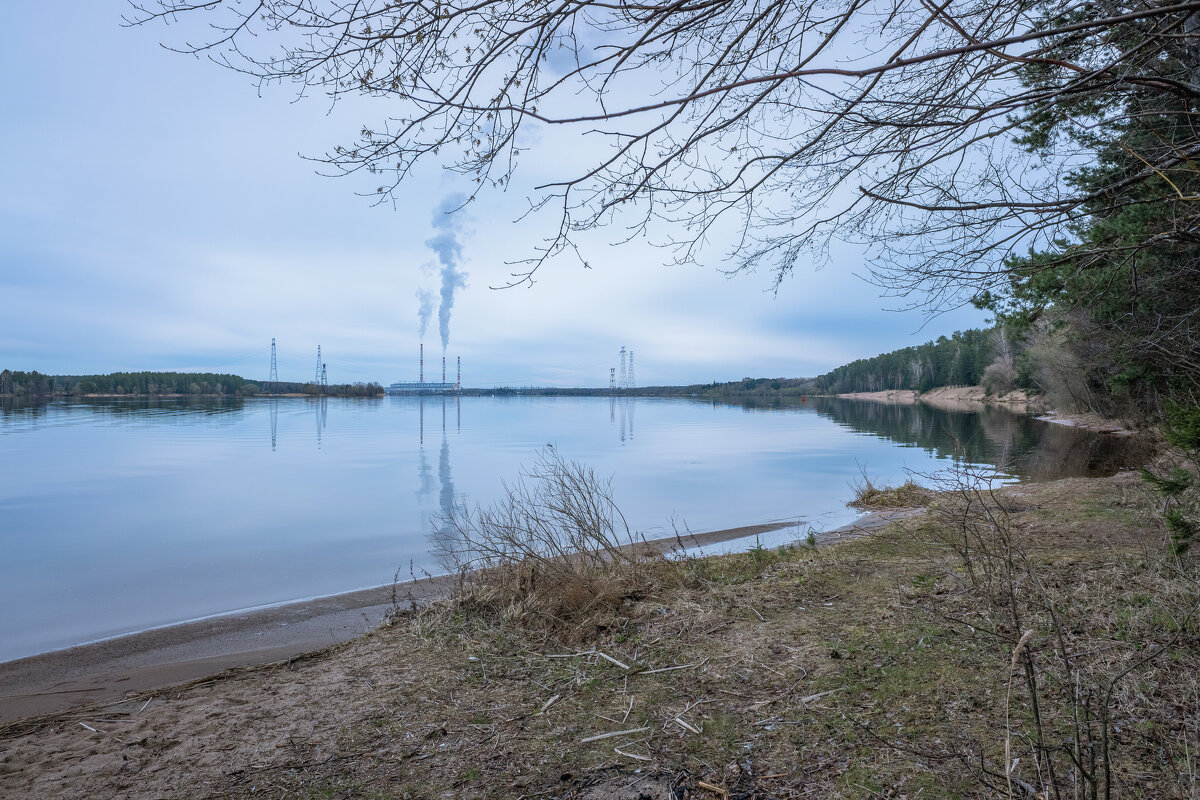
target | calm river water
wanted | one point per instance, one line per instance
(120, 516)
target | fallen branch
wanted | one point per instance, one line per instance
(619, 751)
(712, 788)
(611, 735)
(665, 669)
(613, 660)
(805, 700)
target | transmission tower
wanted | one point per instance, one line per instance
(631, 384)
(317, 379)
(612, 378)
(274, 368)
(324, 378)
(621, 383)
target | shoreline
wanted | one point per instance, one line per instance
(966, 398)
(112, 669)
(952, 398)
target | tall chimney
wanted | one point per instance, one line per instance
(422, 362)
(460, 372)
(443, 368)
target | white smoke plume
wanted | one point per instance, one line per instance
(425, 298)
(449, 251)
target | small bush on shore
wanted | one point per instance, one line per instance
(907, 495)
(554, 551)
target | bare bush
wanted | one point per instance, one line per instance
(1081, 666)
(1000, 377)
(869, 496)
(1060, 373)
(555, 546)
(796, 124)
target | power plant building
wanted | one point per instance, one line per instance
(421, 386)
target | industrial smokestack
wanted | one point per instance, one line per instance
(443, 369)
(459, 384)
(422, 362)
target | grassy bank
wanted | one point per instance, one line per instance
(879, 667)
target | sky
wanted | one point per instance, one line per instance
(158, 214)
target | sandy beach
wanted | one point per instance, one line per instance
(111, 669)
(953, 398)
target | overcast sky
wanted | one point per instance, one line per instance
(157, 215)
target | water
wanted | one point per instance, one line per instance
(124, 515)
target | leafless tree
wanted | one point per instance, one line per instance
(790, 122)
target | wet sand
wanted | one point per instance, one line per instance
(107, 671)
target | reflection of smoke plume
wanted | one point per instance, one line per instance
(449, 251)
(426, 310)
(424, 475)
(423, 472)
(447, 495)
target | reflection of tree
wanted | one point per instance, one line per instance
(1025, 446)
(224, 411)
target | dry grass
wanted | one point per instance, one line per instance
(868, 496)
(553, 552)
(868, 669)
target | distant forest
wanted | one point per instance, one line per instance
(963, 359)
(987, 357)
(153, 384)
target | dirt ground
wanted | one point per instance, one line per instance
(862, 669)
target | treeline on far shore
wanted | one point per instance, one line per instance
(989, 357)
(16, 383)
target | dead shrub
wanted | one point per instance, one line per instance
(1000, 377)
(907, 495)
(554, 551)
(1087, 675)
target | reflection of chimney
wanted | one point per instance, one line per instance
(422, 362)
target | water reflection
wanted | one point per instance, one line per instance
(322, 410)
(626, 406)
(447, 484)
(15, 412)
(446, 495)
(122, 514)
(1019, 444)
(446, 499)
(424, 475)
